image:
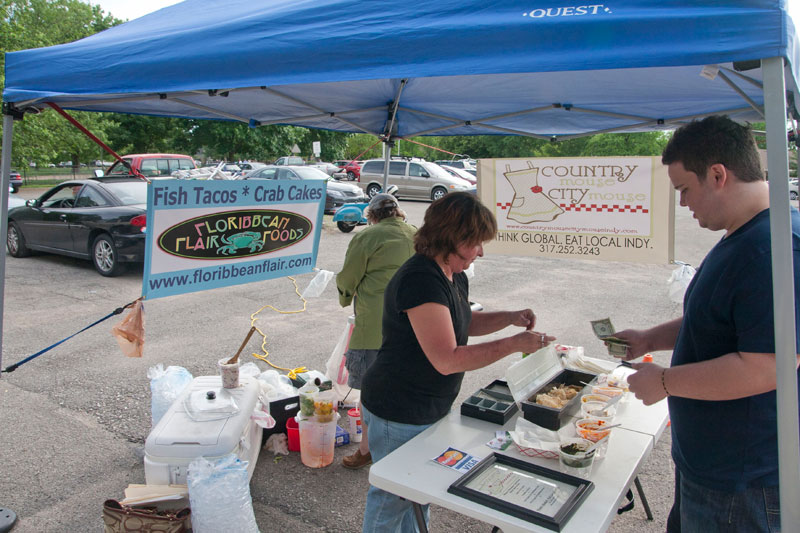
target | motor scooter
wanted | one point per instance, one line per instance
(349, 216)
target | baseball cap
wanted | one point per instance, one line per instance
(382, 201)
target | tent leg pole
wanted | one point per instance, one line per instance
(387, 156)
(8, 518)
(782, 291)
(8, 135)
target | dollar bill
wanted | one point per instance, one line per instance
(604, 330)
(617, 349)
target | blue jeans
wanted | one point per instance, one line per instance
(698, 509)
(385, 512)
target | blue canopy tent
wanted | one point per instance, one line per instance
(550, 70)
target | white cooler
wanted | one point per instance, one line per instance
(179, 438)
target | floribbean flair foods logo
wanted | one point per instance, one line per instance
(232, 234)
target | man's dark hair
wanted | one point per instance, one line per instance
(715, 139)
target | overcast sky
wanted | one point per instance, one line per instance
(131, 9)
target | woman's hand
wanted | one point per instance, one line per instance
(524, 319)
(532, 341)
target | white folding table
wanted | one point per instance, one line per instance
(409, 472)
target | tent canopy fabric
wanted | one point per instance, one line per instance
(461, 67)
(446, 67)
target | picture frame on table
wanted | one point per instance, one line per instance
(525, 490)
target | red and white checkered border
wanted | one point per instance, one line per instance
(588, 208)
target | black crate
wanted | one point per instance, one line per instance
(550, 418)
(281, 411)
(492, 403)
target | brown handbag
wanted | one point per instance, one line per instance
(120, 518)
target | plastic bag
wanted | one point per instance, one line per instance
(335, 369)
(219, 495)
(165, 387)
(275, 386)
(130, 332)
(249, 369)
(679, 281)
(207, 405)
(261, 415)
(318, 284)
(278, 443)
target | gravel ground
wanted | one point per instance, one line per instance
(76, 418)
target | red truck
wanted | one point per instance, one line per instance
(152, 165)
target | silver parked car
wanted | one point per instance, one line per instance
(414, 179)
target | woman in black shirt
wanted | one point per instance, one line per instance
(426, 324)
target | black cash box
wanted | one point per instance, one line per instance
(493, 403)
(537, 374)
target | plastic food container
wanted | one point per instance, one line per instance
(592, 429)
(595, 398)
(323, 406)
(573, 459)
(607, 391)
(598, 410)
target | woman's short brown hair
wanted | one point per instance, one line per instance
(456, 219)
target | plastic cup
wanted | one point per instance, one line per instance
(229, 373)
(592, 429)
(573, 459)
(607, 391)
(598, 410)
(355, 425)
(594, 398)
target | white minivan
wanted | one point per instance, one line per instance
(414, 179)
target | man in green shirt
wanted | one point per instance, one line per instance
(372, 258)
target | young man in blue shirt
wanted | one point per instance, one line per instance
(721, 383)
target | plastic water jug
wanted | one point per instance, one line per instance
(317, 441)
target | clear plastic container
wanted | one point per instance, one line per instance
(308, 394)
(598, 410)
(592, 429)
(573, 459)
(317, 440)
(324, 403)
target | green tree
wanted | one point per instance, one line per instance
(136, 134)
(35, 23)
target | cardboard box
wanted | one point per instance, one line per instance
(493, 403)
(537, 374)
(342, 437)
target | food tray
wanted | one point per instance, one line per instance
(537, 374)
(493, 403)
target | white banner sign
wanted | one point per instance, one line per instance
(608, 208)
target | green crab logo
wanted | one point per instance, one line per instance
(239, 241)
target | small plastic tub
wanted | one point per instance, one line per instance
(592, 429)
(598, 410)
(607, 391)
(573, 458)
(595, 398)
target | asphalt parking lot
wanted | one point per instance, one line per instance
(75, 419)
